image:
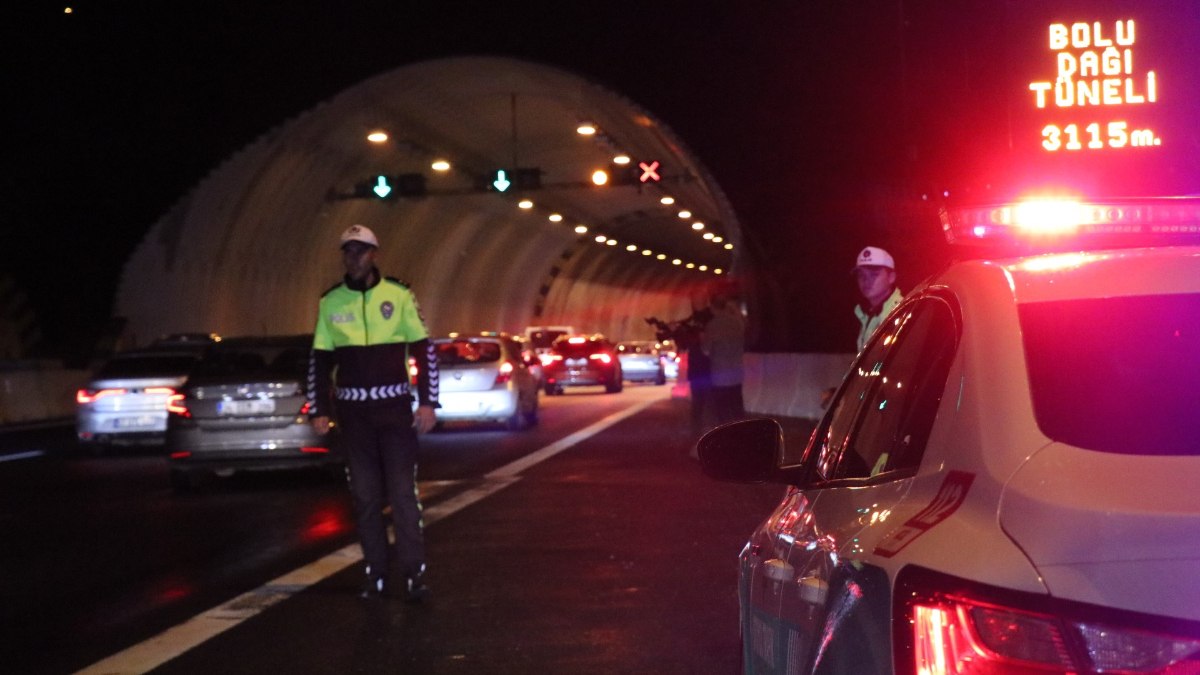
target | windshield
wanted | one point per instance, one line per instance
(249, 361)
(459, 352)
(1116, 374)
(147, 365)
(543, 339)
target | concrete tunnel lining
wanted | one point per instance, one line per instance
(253, 245)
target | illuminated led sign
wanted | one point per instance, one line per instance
(1097, 81)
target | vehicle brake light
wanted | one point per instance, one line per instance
(505, 374)
(601, 357)
(958, 632)
(305, 408)
(176, 405)
(547, 359)
(577, 340)
(313, 450)
(91, 395)
(181, 454)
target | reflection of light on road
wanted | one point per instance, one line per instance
(326, 523)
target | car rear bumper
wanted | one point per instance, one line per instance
(476, 405)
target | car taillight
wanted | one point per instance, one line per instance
(91, 395)
(305, 408)
(601, 357)
(964, 629)
(505, 374)
(177, 405)
(547, 359)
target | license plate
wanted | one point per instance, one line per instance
(139, 422)
(258, 406)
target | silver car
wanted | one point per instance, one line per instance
(244, 408)
(125, 401)
(642, 361)
(486, 378)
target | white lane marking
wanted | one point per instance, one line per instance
(21, 455)
(199, 629)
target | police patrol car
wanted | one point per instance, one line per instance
(1006, 480)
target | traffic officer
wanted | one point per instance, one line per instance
(368, 326)
(875, 272)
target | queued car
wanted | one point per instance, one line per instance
(541, 338)
(486, 378)
(671, 358)
(244, 408)
(580, 361)
(641, 361)
(1005, 481)
(125, 400)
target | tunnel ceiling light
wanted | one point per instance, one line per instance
(647, 251)
(601, 238)
(622, 159)
(697, 225)
(718, 271)
(555, 218)
(677, 261)
(525, 204)
(717, 240)
(586, 129)
(703, 268)
(599, 177)
(611, 242)
(685, 214)
(690, 266)
(728, 247)
(581, 229)
(666, 200)
(661, 256)
(377, 137)
(709, 235)
(631, 247)
(440, 165)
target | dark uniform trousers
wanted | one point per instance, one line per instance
(381, 451)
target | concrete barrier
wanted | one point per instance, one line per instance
(787, 385)
(790, 385)
(36, 391)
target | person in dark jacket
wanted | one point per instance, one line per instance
(368, 327)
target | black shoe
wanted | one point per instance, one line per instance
(373, 588)
(417, 590)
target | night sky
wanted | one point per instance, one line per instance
(824, 121)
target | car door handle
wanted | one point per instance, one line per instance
(778, 570)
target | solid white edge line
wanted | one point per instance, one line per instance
(188, 635)
(21, 455)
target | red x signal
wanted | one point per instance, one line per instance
(649, 172)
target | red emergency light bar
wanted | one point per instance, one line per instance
(1072, 221)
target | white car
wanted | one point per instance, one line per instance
(486, 378)
(1005, 482)
(641, 361)
(125, 401)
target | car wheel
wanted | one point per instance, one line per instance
(550, 390)
(614, 387)
(661, 378)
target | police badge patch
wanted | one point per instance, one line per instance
(386, 308)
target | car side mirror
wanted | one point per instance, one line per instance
(746, 451)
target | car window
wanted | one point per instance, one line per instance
(253, 360)
(573, 351)
(543, 339)
(459, 352)
(147, 365)
(898, 412)
(881, 419)
(1118, 374)
(834, 433)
